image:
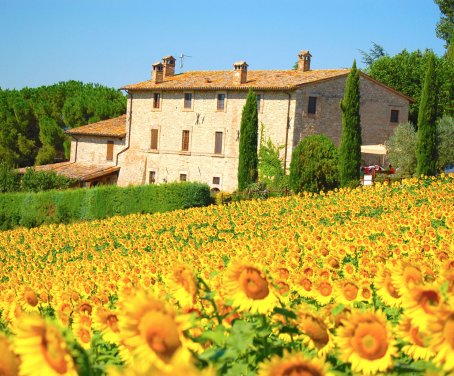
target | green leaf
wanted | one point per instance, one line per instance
(218, 336)
(241, 336)
(285, 312)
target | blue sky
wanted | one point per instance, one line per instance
(114, 42)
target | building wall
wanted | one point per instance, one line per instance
(91, 149)
(203, 120)
(375, 111)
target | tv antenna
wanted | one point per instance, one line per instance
(182, 56)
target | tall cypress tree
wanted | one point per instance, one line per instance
(248, 158)
(426, 147)
(350, 147)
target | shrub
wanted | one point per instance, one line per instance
(401, 149)
(36, 181)
(9, 178)
(314, 165)
(445, 135)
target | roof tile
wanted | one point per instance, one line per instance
(115, 127)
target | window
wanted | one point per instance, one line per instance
(183, 177)
(109, 154)
(259, 100)
(156, 100)
(218, 143)
(152, 177)
(187, 101)
(221, 102)
(154, 139)
(216, 180)
(394, 116)
(185, 141)
(312, 105)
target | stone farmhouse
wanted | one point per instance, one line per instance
(185, 127)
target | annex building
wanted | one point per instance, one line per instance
(185, 127)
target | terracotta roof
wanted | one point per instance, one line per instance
(78, 171)
(256, 79)
(115, 127)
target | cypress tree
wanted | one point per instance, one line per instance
(350, 147)
(426, 147)
(248, 158)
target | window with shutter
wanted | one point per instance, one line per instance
(156, 100)
(154, 139)
(110, 147)
(185, 141)
(218, 143)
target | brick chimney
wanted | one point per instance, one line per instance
(169, 66)
(240, 74)
(158, 73)
(304, 61)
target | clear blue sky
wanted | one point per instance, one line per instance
(114, 42)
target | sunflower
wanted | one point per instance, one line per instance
(296, 364)
(315, 331)
(323, 291)
(346, 292)
(366, 341)
(42, 348)
(386, 289)
(249, 288)
(441, 328)
(28, 300)
(9, 363)
(420, 304)
(182, 285)
(106, 321)
(417, 339)
(150, 330)
(405, 277)
(81, 329)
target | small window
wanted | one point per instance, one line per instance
(183, 177)
(187, 101)
(156, 100)
(218, 143)
(109, 154)
(216, 180)
(221, 102)
(185, 141)
(394, 116)
(312, 105)
(259, 102)
(152, 177)
(154, 139)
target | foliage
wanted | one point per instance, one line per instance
(314, 165)
(37, 181)
(334, 283)
(426, 147)
(405, 72)
(350, 146)
(270, 166)
(375, 52)
(35, 119)
(248, 158)
(35, 209)
(445, 27)
(9, 178)
(445, 136)
(401, 149)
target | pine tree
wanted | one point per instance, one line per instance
(426, 147)
(350, 147)
(248, 158)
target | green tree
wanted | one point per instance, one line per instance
(9, 179)
(350, 146)
(270, 167)
(314, 165)
(375, 52)
(401, 149)
(426, 147)
(445, 136)
(445, 27)
(248, 158)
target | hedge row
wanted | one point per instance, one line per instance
(34, 209)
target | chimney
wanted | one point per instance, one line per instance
(240, 75)
(304, 61)
(169, 66)
(157, 73)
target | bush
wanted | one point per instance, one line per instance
(9, 178)
(401, 149)
(37, 181)
(34, 209)
(314, 165)
(445, 135)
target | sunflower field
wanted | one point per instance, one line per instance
(357, 281)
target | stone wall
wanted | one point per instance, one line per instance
(92, 149)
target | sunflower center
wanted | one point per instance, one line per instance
(161, 334)
(317, 331)
(52, 347)
(370, 341)
(85, 308)
(300, 370)
(325, 288)
(84, 335)
(112, 323)
(186, 279)
(254, 285)
(350, 291)
(448, 330)
(428, 300)
(31, 298)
